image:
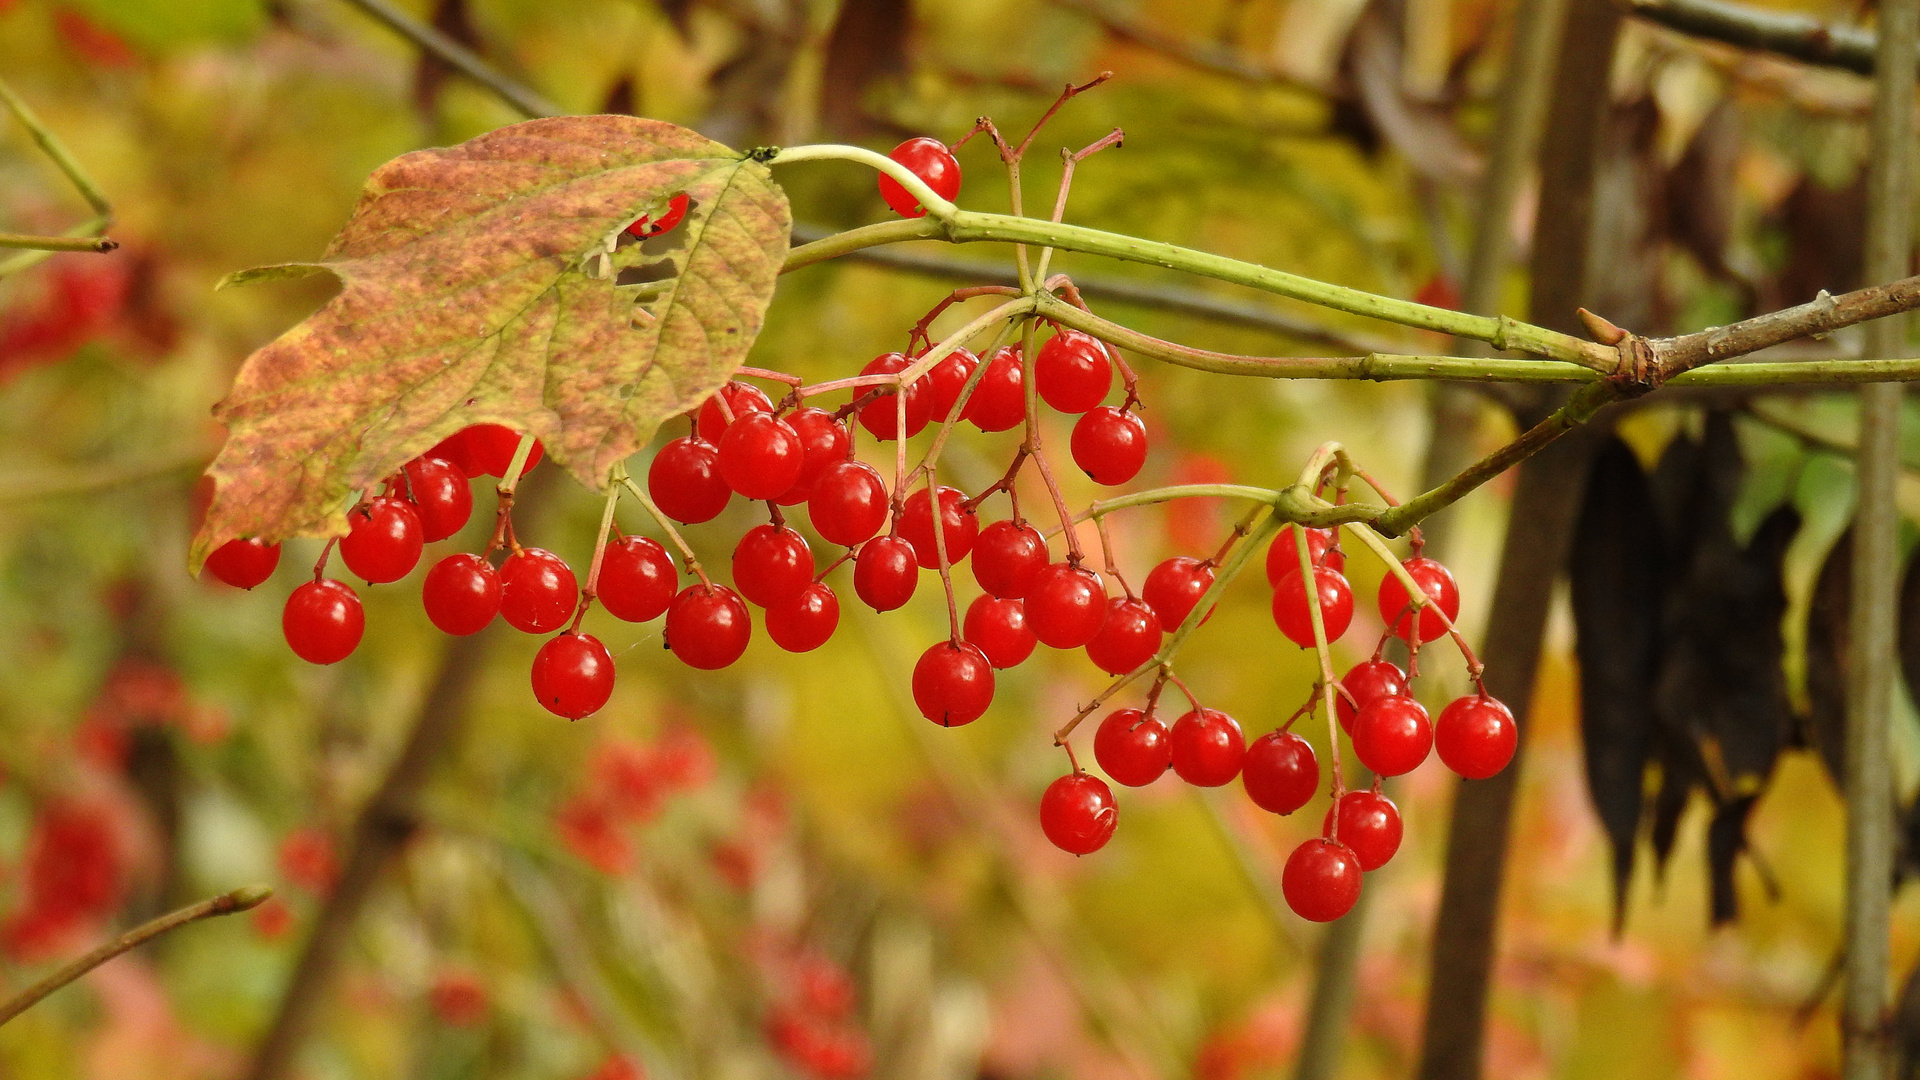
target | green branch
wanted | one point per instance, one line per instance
(99, 244)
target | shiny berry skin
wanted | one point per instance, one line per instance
(881, 417)
(1369, 825)
(1208, 748)
(1132, 747)
(537, 591)
(741, 399)
(461, 594)
(885, 573)
(1280, 772)
(1128, 637)
(573, 675)
(998, 628)
(1392, 736)
(1437, 582)
(637, 579)
(453, 450)
(707, 626)
(1066, 605)
(1368, 681)
(1290, 611)
(999, 402)
(771, 564)
(960, 525)
(952, 684)
(805, 621)
(323, 621)
(1078, 813)
(931, 161)
(1321, 880)
(1110, 445)
(848, 503)
(490, 449)
(761, 456)
(1006, 556)
(1476, 736)
(1283, 557)
(441, 496)
(1072, 372)
(825, 442)
(669, 218)
(243, 563)
(1173, 587)
(948, 378)
(685, 481)
(383, 539)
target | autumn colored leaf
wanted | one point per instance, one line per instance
(496, 282)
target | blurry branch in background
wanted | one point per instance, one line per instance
(225, 904)
(87, 480)
(1201, 55)
(460, 58)
(97, 244)
(82, 237)
(1794, 36)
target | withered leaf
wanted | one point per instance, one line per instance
(1827, 656)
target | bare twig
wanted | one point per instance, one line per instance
(1794, 36)
(459, 57)
(96, 244)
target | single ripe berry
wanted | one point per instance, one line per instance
(825, 442)
(881, 416)
(741, 399)
(441, 496)
(1321, 880)
(1437, 582)
(637, 579)
(771, 564)
(1476, 736)
(243, 563)
(1280, 772)
(453, 449)
(999, 401)
(685, 481)
(1006, 556)
(668, 220)
(1066, 605)
(1291, 615)
(1175, 586)
(1128, 637)
(885, 573)
(1110, 445)
(537, 591)
(1368, 681)
(707, 626)
(323, 621)
(1283, 557)
(1072, 372)
(805, 621)
(948, 378)
(1132, 747)
(999, 629)
(383, 539)
(959, 523)
(573, 675)
(952, 683)
(461, 594)
(1391, 736)
(1369, 825)
(761, 456)
(931, 161)
(1078, 813)
(1208, 748)
(490, 449)
(848, 503)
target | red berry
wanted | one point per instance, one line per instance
(1207, 747)
(537, 591)
(675, 212)
(1368, 681)
(323, 621)
(848, 503)
(741, 399)
(825, 442)
(999, 629)
(707, 626)
(1078, 813)
(1437, 582)
(959, 524)
(1066, 605)
(490, 449)
(1072, 371)
(952, 683)
(1369, 825)
(1128, 637)
(461, 594)
(573, 675)
(761, 456)
(441, 496)
(1175, 586)
(1283, 557)
(1321, 880)
(1006, 556)
(453, 450)
(947, 379)
(637, 579)
(1391, 736)
(1290, 611)
(685, 481)
(1110, 445)
(804, 622)
(383, 539)
(881, 416)
(931, 161)
(1476, 736)
(999, 402)
(771, 564)
(1280, 772)
(1132, 747)
(243, 563)
(885, 573)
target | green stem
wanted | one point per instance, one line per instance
(938, 209)
(99, 244)
(53, 148)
